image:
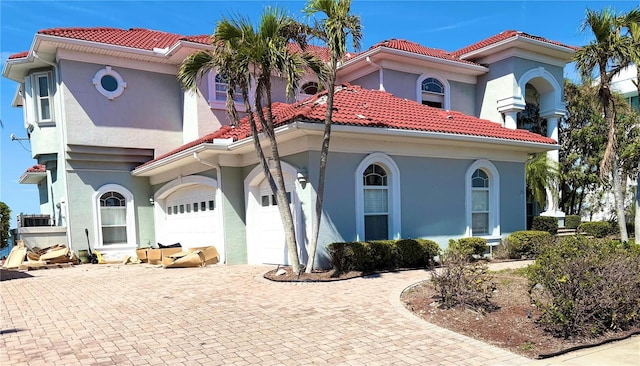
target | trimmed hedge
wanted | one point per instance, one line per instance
(468, 247)
(382, 254)
(526, 244)
(572, 221)
(597, 229)
(545, 223)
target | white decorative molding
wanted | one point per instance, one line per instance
(130, 215)
(494, 196)
(105, 73)
(394, 194)
(446, 105)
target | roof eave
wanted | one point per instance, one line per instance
(148, 169)
(501, 44)
(32, 177)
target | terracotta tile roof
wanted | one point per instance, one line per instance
(319, 51)
(504, 36)
(355, 106)
(408, 46)
(38, 168)
(19, 55)
(204, 39)
(139, 38)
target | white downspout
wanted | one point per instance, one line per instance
(380, 72)
(63, 140)
(218, 199)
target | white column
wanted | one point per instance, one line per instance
(553, 208)
(511, 119)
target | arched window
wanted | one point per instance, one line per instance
(113, 218)
(377, 198)
(483, 202)
(222, 84)
(432, 92)
(480, 203)
(309, 88)
(376, 203)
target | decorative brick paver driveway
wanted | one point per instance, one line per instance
(142, 315)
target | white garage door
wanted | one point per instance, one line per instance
(191, 217)
(270, 232)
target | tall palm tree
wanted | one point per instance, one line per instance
(333, 29)
(608, 54)
(246, 54)
(634, 30)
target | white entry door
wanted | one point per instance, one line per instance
(271, 242)
(191, 217)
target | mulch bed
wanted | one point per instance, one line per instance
(513, 326)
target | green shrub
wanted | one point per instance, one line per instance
(545, 223)
(461, 283)
(572, 221)
(411, 253)
(468, 247)
(350, 256)
(526, 244)
(597, 229)
(383, 254)
(431, 250)
(584, 287)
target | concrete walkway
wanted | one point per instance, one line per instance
(142, 315)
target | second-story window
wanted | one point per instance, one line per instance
(42, 96)
(433, 92)
(222, 84)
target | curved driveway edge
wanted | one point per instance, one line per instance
(142, 315)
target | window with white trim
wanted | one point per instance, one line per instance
(113, 218)
(109, 83)
(376, 203)
(43, 93)
(482, 199)
(309, 88)
(432, 92)
(377, 188)
(221, 86)
(480, 206)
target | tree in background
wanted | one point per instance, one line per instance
(541, 174)
(608, 54)
(634, 30)
(333, 29)
(245, 54)
(582, 135)
(5, 219)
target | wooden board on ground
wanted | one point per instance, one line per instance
(15, 258)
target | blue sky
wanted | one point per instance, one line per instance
(448, 25)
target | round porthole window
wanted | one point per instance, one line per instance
(109, 83)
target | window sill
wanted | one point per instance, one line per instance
(46, 123)
(217, 104)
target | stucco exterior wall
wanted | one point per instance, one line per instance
(234, 214)
(84, 180)
(369, 81)
(401, 84)
(148, 114)
(463, 97)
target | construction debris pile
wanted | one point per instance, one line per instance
(25, 258)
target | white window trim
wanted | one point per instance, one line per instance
(393, 183)
(217, 103)
(302, 95)
(446, 105)
(36, 97)
(494, 197)
(130, 216)
(111, 95)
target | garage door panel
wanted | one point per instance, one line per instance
(191, 217)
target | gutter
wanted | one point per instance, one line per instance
(481, 51)
(380, 72)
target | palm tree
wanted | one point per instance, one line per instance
(634, 30)
(608, 54)
(338, 23)
(244, 54)
(541, 174)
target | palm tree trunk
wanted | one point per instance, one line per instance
(278, 178)
(637, 221)
(619, 201)
(324, 155)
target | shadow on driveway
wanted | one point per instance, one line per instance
(7, 274)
